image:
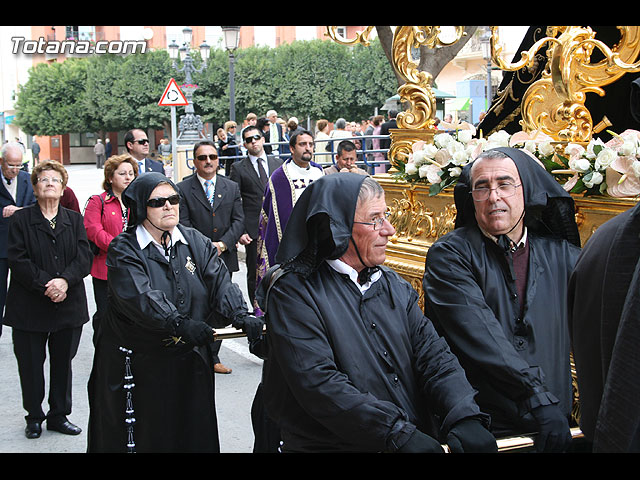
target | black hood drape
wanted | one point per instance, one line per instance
(549, 209)
(135, 196)
(321, 221)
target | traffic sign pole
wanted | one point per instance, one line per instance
(173, 97)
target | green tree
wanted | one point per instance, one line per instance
(137, 90)
(52, 101)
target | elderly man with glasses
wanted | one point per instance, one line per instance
(16, 192)
(496, 289)
(353, 364)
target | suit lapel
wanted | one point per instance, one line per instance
(198, 192)
(219, 193)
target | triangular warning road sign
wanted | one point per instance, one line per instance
(173, 96)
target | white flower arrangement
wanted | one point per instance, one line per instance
(599, 168)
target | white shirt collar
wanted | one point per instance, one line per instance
(202, 180)
(341, 267)
(145, 238)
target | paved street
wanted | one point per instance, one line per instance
(234, 392)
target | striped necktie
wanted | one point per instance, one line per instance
(208, 184)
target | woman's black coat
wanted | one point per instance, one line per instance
(36, 254)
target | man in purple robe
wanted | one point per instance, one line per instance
(285, 186)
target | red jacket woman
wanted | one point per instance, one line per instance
(104, 218)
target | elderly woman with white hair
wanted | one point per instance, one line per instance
(49, 256)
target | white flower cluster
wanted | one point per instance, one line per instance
(449, 153)
(612, 167)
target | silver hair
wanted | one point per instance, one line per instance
(369, 189)
(8, 146)
(488, 155)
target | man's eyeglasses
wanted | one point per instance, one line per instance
(142, 141)
(504, 191)
(211, 156)
(160, 201)
(13, 167)
(252, 138)
(377, 222)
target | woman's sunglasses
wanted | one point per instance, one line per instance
(160, 201)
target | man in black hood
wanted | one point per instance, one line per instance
(353, 365)
(496, 289)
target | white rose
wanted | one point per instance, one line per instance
(581, 165)
(410, 169)
(500, 138)
(605, 158)
(456, 171)
(460, 158)
(423, 170)
(419, 157)
(465, 136)
(596, 179)
(635, 167)
(430, 150)
(530, 146)
(442, 140)
(546, 149)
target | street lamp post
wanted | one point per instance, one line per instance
(231, 39)
(485, 41)
(190, 125)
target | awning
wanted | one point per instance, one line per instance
(459, 103)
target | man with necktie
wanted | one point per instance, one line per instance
(137, 145)
(15, 192)
(211, 204)
(251, 174)
(275, 133)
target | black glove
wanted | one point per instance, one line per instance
(194, 331)
(471, 436)
(553, 429)
(251, 325)
(421, 443)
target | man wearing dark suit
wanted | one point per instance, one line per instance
(386, 127)
(246, 173)
(212, 204)
(137, 144)
(15, 192)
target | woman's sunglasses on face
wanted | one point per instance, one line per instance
(160, 201)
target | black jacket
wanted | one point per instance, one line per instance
(224, 222)
(147, 294)
(603, 305)
(516, 362)
(251, 190)
(37, 254)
